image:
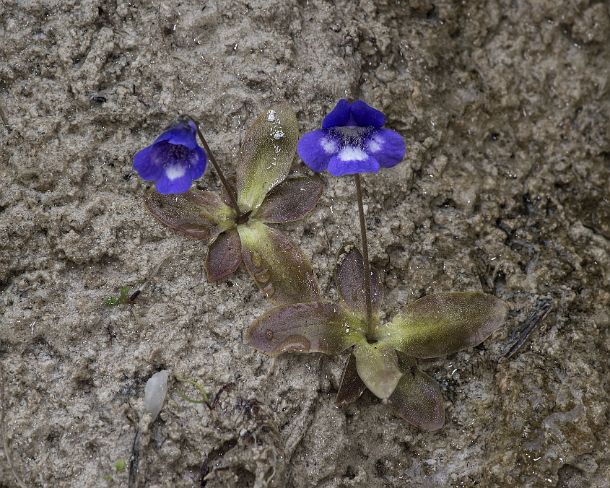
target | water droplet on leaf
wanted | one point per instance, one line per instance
(269, 290)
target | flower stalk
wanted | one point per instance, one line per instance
(365, 255)
(228, 187)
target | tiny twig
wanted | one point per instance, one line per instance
(5, 446)
(134, 461)
(210, 459)
(228, 187)
(365, 254)
(539, 311)
(4, 119)
(205, 399)
(204, 395)
(134, 295)
(132, 298)
(225, 387)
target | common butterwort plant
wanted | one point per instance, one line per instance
(382, 356)
(237, 223)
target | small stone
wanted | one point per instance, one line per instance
(154, 393)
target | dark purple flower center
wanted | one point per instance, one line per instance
(351, 135)
(176, 153)
(166, 155)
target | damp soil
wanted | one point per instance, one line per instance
(505, 106)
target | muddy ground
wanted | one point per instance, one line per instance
(505, 106)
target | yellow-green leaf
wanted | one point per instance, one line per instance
(266, 155)
(278, 266)
(443, 323)
(377, 366)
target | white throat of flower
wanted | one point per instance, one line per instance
(175, 171)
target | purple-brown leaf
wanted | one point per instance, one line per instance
(302, 327)
(278, 266)
(291, 200)
(351, 386)
(350, 279)
(224, 256)
(196, 214)
(418, 399)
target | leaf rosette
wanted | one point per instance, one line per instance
(383, 355)
(265, 196)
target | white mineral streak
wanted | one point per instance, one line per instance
(154, 393)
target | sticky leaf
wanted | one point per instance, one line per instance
(418, 399)
(266, 155)
(196, 214)
(377, 366)
(303, 327)
(291, 200)
(443, 323)
(351, 386)
(278, 266)
(350, 279)
(224, 256)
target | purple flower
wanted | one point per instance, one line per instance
(174, 160)
(352, 140)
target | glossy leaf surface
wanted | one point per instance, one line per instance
(291, 200)
(278, 266)
(196, 214)
(377, 366)
(350, 280)
(351, 386)
(302, 327)
(443, 323)
(266, 156)
(224, 256)
(418, 399)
